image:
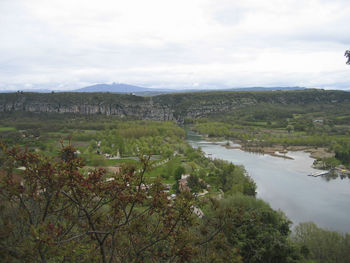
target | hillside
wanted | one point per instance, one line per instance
(177, 106)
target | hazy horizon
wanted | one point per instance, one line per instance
(199, 44)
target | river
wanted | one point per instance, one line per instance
(284, 184)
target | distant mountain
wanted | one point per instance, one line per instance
(114, 88)
(126, 88)
(141, 91)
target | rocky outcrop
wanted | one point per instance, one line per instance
(106, 104)
(163, 107)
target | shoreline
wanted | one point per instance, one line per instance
(277, 150)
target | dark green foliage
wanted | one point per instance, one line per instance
(320, 245)
(257, 232)
(343, 154)
(193, 183)
(231, 178)
(178, 172)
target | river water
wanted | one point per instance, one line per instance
(285, 185)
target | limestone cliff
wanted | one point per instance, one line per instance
(163, 107)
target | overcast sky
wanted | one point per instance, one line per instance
(65, 44)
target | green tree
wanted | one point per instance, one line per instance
(322, 245)
(180, 170)
(193, 183)
(51, 212)
(259, 233)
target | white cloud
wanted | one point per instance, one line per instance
(167, 43)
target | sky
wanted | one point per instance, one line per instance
(68, 44)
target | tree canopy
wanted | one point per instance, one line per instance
(51, 211)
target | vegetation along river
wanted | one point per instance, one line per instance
(285, 184)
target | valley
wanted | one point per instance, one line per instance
(223, 176)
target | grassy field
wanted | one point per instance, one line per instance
(6, 129)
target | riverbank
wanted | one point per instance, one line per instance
(281, 151)
(285, 183)
(276, 150)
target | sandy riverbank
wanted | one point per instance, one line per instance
(281, 151)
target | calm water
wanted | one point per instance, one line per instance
(285, 185)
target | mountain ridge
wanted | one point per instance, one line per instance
(123, 88)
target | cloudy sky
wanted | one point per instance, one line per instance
(65, 44)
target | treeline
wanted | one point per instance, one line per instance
(68, 98)
(255, 136)
(244, 98)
